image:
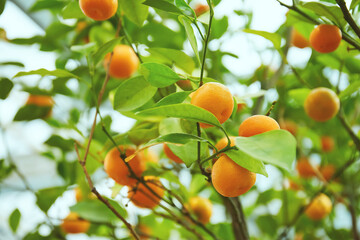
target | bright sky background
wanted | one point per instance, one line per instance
(268, 16)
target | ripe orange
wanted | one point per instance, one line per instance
(319, 208)
(202, 208)
(257, 124)
(171, 155)
(304, 168)
(116, 168)
(74, 224)
(99, 10)
(40, 100)
(229, 179)
(123, 63)
(289, 126)
(298, 40)
(327, 171)
(327, 143)
(185, 85)
(142, 197)
(201, 9)
(325, 38)
(215, 98)
(321, 104)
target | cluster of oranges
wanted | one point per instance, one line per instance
(324, 38)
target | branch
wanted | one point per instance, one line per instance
(348, 17)
(103, 200)
(351, 133)
(345, 36)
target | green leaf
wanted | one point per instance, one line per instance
(299, 95)
(325, 9)
(5, 87)
(244, 160)
(158, 75)
(182, 110)
(172, 56)
(19, 64)
(181, 4)
(143, 132)
(134, 10)
(84, 49)
(177, 97)
(191, 36)
(273, 37)
(59, 142)
(72, 10)
(31, 112)
(94, 210)
(46, 197)
(178, 138)
(188, 152)
(267, 224)
(2, 6)
(26, 41)
(104, 49)
(163, 5)
(41, 5)
(219, 27)
(133, 93)
(14, 220)
(277, 147)
(43, 72)
(353, 87)
(354, 3)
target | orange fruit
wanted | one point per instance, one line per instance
(99, 10)
(201, 9)
(257, 124)
(321, 104)
(78, 194)
(202, 208)
(304, 168)
(289, 126)
(142, 197)
(229, 179)
(123, 63)
(40, 100)
(298, 40)
(185, 85)
(327, 171)
(327, 143)
(171, 155)
(116, 168)
(215, 98)
(325, 38)
(74, 224)
(319, 207)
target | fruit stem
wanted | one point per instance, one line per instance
(271, 108)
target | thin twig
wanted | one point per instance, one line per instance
(347, 16)
(351, 133)
(101, 198)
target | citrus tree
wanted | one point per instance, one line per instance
(187, 167)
